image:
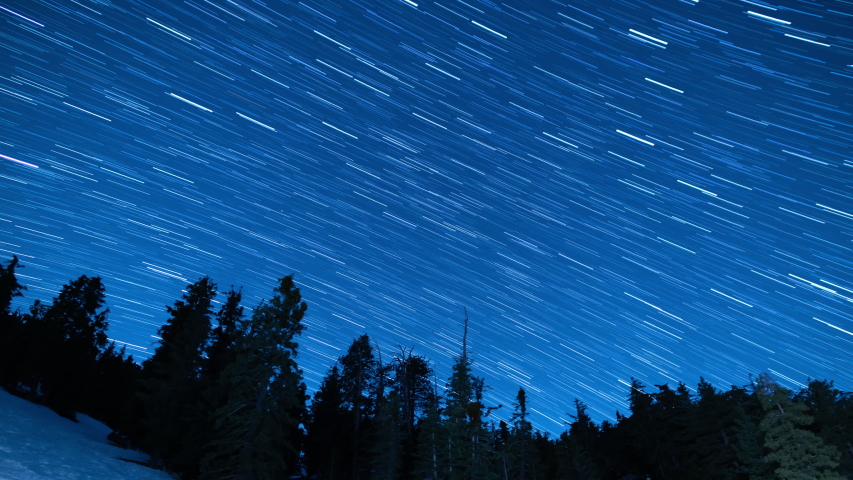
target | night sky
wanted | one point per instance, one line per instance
(657, 189)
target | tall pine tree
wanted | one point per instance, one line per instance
(577, 447)
(799, 454)
(327, 446)
(521, 437)
(359, 370)
(69, 335)
(171, 377)
(255, 430)
(12, 340)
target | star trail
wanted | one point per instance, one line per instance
(613, 189)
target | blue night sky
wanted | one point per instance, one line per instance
(656, 189)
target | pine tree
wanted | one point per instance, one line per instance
(578, 446)
(833, 419)
(114, 386)
(469, 451)
(358, 380)
(460, 394)
(71, 335)
(221, 350)
(327, 447)
(712, 428)
(798, 453)
(433, 454)
(748, 441)
(171, 377)
(671, 415)
(12, 339)
(484, 457)
(412, 382)
(254, 431)
(521, 437)
(387, 445)
(9, 286)
(635, 431)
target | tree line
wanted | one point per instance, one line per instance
(222, 397)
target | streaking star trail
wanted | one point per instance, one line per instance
(648, 189)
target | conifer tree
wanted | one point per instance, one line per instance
(484, 457)
(671, 415)
(71, 335)
(223, 338)
(748, 439)
(712, 428)
(460, 394)
(412, 382)
(433, 454)
(798, 453)
(636, 429)
(327, 445)
(12, 339)
(254, 431)
(833, 419)
(114, 387)
(9, 286)
(577, 447)
(469, 451)
(359, 370)
(521, 437)
(386, 448)
(171, 377)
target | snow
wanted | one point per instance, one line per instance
(38, 444)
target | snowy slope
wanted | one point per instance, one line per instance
(37, 444)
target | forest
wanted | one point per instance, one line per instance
(222, 397)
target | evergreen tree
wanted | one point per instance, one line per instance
(69, 335)
(577, 447)
(171, 378)
(521, 437)
(671, 415)
(469, 452)
(12, 339)
(412, 383)
(484, 457)
(9, 286)
(327, 447)
(712, 428)
(433, 454)
(29, 363)
(387, 445)
(460, 394)
(221, 350)
(833, 419)
(359, 370)
(636, 432)
(748, 441)
(255, 430)
(798, 453)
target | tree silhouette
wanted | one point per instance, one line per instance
(171, 377)
(67, 338)
(255, 429)
(12, 333)
(798, 453)
(359, 370)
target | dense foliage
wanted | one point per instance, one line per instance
(222, 397)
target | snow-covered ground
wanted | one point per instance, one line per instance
(37, 444)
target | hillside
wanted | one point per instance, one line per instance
(36, 443)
